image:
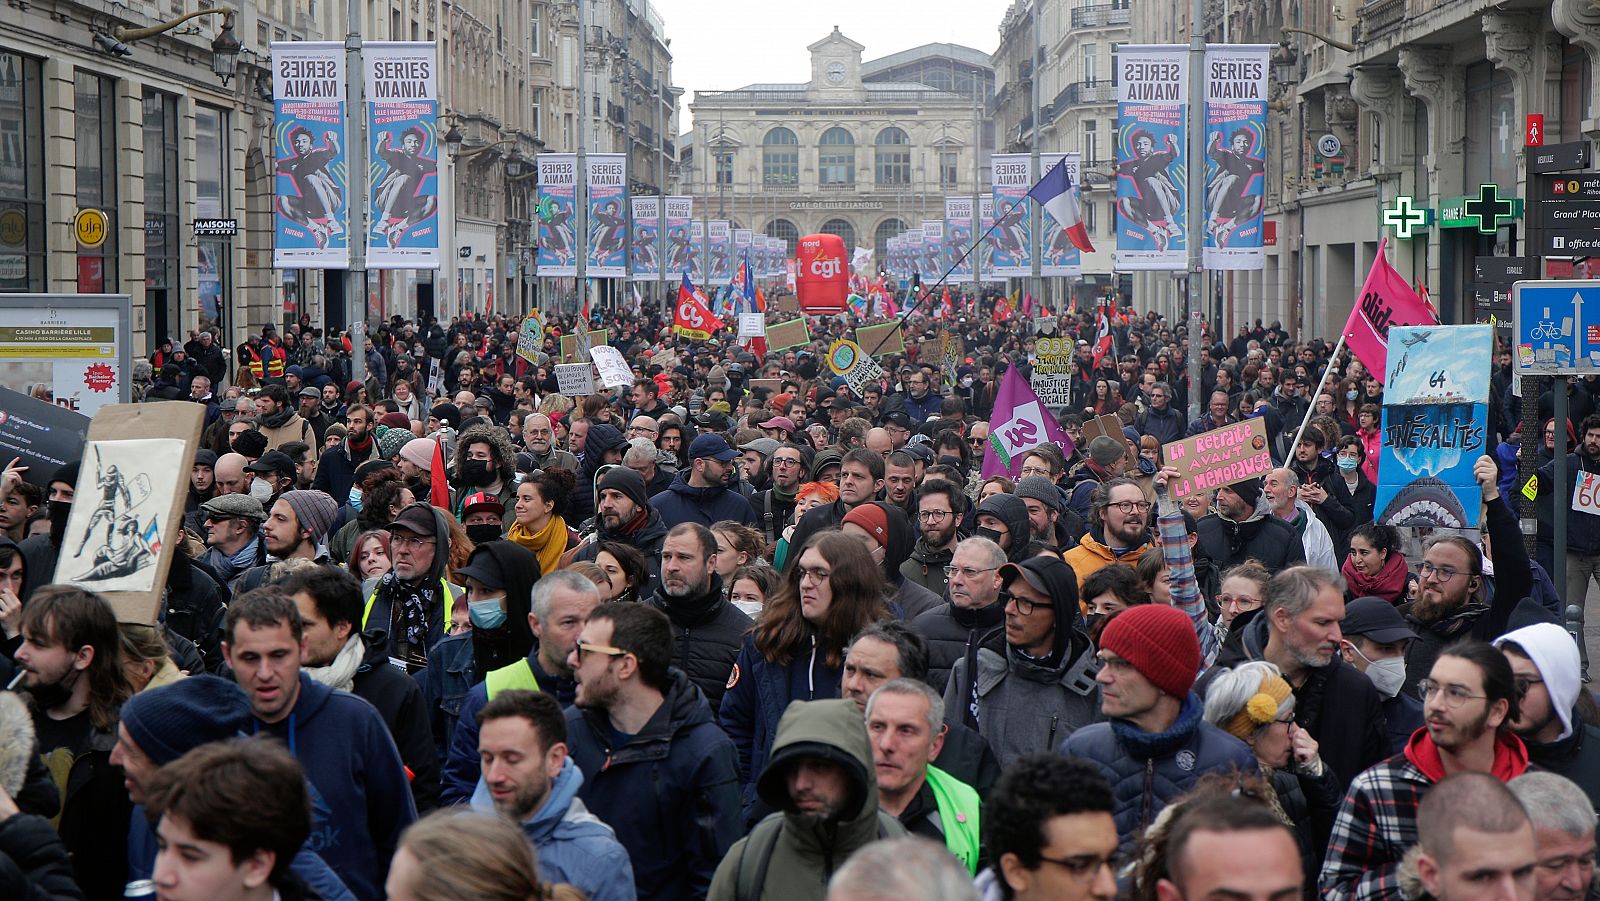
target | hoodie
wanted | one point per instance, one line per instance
(707, 631)
(360, 796)
(1010, 509)
(603, 437)
(1575, 753)
(912, 597)
(809, 849)
(682, 503)
(384, 612)
(573, 845)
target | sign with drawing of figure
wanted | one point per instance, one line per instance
(403, 167)
(118, 522)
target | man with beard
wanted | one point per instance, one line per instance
(310, 401)
(279, 422)
(624, 514)
(645, 736)
(701, 494)
(1244, 529)
(1470, 701)
(709, 630)
(413, 603)
(939, 508)
(1119, 520)
(336, 472)
(539, 436)
(527, 777)
(486, 463)
(1281, 488)
(602, 445)
(1450, 603)
(1544, 661)
(775, 506)
(296, 527)
(1297, 630)
(918, 402)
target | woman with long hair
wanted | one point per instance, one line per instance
(796, 651)
(752, 586)
(371, 557)
(539, 526)
(464, 855)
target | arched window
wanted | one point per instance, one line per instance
(843, 229)
(787, 231)
(890, 228)
(836, 164)
(893, 157)
(780, 158)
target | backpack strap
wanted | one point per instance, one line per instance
(765, 837)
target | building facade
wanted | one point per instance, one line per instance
(865, 150)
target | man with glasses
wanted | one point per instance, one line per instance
(939, 508)
(644, 427)
(1035, 691)
(643, 458)
(1563, 832)
(1050, 833)
(1450, 604)
(233, 526)
(656, 765)
(1119, 529)
(414, 603)
(1544, 660)
(775, 506)
(1469, 703)
(538, 435)
(1162, 421)
(918, 401)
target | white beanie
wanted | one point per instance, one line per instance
(419, 452)
(1553, 651)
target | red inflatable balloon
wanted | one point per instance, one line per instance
(822, 274)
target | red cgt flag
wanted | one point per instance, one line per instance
(694, 319)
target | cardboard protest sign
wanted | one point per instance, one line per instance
(860, 371)
(124, 527)
(773, 385)
(889, 333)
(530, 337)
(614, 371)
(435, 378)
(1435, 425)
(1210, 460)
(788, 303)
(575, 379)
(784, 335)
(570, 353)
(1052, 371)
(1110, 425)
(42, 435)
(1585, 494)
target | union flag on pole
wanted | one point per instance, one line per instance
(1385, 301)
(1102, 337)
(694, 319)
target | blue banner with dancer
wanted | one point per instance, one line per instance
(1236, 159)
(608, 215)
(312, 175)
(1152, 161)
(676, 215)
(958, 237)
(403, 159)
(1009, 242)
(697, 252)
(557, 213)
(1435, 423)
(932, 262)
(1061, 257)
(719, 247)
(645, 260)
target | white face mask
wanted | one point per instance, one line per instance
(1388, 674)
(261, 489)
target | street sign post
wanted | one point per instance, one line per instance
(1559, 157)
(1551, 335)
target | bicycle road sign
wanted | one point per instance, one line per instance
(1557, 326)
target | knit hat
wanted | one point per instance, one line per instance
(251, 443)
(1105, 450)
(395, 421)
(418, 452)
(314, 509)
(392, 441)
(1040, 489)
(67, 473)
(1249, 490)
(1260, 709)
(1553, 651)
(448, 414)
(872, 518)
(625, 480)
(1159, 642)
(205, 456)
(169, 721)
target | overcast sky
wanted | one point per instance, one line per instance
(721, 46)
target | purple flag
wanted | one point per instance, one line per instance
(1019, 424)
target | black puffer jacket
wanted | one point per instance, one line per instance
(33, 862)
(707, 632)
(950, 629)
(1262, 537)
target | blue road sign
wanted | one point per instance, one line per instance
(1557, 326)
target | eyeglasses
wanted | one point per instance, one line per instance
(410, 542)
(1083, 866)
(1439, 573)
(1243, 602)
(816, 574)
(1454, 695)
(1130, 506)
(968, 572)
(1524, 683)
(933, 516)
(584, 647)
(1035, 471)
(641, 430)
(1024, 605)
(783, 462)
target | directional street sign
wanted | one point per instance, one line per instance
(1559, 157)
(1575, 243)
(1489, 209)
(1551, 335)
(1404, 218)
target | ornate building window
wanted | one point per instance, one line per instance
(780, 158)
(841, 228)
(893, 153)
(836, 162)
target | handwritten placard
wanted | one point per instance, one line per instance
(614, 371)
(752, 325)
(1219, 457)
(1586, 494)
(575, 379)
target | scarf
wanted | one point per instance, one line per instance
(277, 420)
(359, 447)
(239, 562)
(340, 674)
(409, 608)
(1389, 583)
(1147, 745)
(548, 544)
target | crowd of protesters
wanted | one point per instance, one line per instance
(738, 631)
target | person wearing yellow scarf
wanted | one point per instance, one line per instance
(541, 499)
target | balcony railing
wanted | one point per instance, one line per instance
(1101, 15)
(1084, 92)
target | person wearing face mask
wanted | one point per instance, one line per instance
(41, 551)
(273, 474)
(485, 463)
(1375, 641)
(481, 515)
(499, 577)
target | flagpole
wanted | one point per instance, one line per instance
(1321, 383)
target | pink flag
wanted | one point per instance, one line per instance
(1386, 300)
(1020, 423)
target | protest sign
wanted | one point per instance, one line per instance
(1019, 424)
(614, 371)
(950, 348)
(575, 379)
(889, 333)
(773, 385)
(121, 536)
(1052, 371)
(752, 325)
(43, 435)
(435, 378)
(1210, 460)
(860, 371)
(1586, 494)
(1435, 423)
(569, 345)
(530, 337)
(788, 303)
(1109, 425)
(784, 335)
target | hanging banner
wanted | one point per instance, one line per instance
(914, 241)
(1011, 237)
(931, 264)
(311, 213)
(958, 237)
(608, 216)
(697, 252)
(773, 257)
(1152, 166)
(985, 251)
(1061, 257)
(1236, 160)
(742, 239)
(719, 247)
(645, 262)
(403, 158)
(676, 213)
(1435, 423)
(557, 209)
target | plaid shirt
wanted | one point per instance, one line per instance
(1377, 824)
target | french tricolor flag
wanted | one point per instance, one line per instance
(1059, 196)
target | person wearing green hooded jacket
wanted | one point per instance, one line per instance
(822, 781)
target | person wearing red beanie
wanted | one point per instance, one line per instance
(1158, 641)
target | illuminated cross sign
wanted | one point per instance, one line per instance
(1488, 209)
(1404, 218)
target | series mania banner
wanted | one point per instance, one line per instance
(403, 159)
(312, 175)
(1236, 160)
(958, 237)
(677, 212)
(646, 254)
(1010, 242)
(608, 215)
(1152, 166)
(557, 209)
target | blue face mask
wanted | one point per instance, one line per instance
(1347, 464)
(355, 499)
(489, 614)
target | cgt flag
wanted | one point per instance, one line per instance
(1059, 196)
(1020, 424)
(1386, 301)
(694, 319)
(1102, 338)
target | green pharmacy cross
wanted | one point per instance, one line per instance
(1404, 218)
(1488, 209)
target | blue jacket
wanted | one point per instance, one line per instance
(1148, 771)
(461, 767)
(572, 844)
(920, 410)
(682, 502)
(671, 792)
(311, 869)
(758, 693)
(360, 797)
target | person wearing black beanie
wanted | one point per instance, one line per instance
(1243, 529)
(623, 514)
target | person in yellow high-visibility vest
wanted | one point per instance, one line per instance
(413, 603)
(905, 723)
